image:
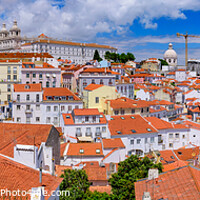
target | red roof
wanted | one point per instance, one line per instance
(52, 92)
(27, 87)
(92, 87)
(85, 149)
(86, 111)
(159, 124)
(15, 176)
(129, 124)
(174, 165)
(178, 184)
(113, 143)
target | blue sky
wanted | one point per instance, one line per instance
(142, 27)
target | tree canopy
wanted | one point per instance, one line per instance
(119, 58)
(129, 171)
(163, 62)
(97, 56)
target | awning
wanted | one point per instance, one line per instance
(85, 139)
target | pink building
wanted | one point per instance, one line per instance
(47, 75)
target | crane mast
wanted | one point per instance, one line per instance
(186, 44)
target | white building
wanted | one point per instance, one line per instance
(35, 105)
(137, 134)
(85, 123)
(180, 75)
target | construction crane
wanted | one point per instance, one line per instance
(186, 44)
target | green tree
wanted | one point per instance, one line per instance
(163, 62)
(76, 182)
(97, 56)
(97, 195)
(129, 171)
(122, 58)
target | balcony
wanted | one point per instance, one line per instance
(28, 111)
(98, 134)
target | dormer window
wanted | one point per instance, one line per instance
(56, 98)
(81, 151)
(49, 98)
(70, 98)
(63, 98)
(97, 151)
(27, 86)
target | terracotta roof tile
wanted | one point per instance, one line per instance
(129, 124)
(85, 111)
(113, 143)
(92, 87)
(27, 87)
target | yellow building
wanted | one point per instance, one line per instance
(125, 106)
(10, 74)
(94, 95)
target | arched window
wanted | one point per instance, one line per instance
(47, 84)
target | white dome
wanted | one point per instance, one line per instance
(15, 27)
(170, 53)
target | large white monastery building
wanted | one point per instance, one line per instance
(79, 53)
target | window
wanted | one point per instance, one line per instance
(96, 99)
(27, 97)
(88, 131)
(37, 97)
(122, 112)
(37, 119)
(18, 119)
(9, 97)
(18, 97)
(97, 129)
(138, 141)
(28, 120)
(194, 135)
(18, 107)
(28, 107)
(27, 75)
(34, 75)
(170, 144)
(48, 108)
(8, 77)
(177, 135)
(103, 129)
(9, 88)
(86, 118)
(37, 107)
(15, 77)
(55, 119)
(183, 136)
(152, 139)
(76, 107)
(132, 142)
(62, 108)
(146, 140)
(55, 108)
(93, 81)
(171, 135)
(47, 84)
(9, 70)
(133, 111)
(48, 120)
(142, 110)
(94, 118)
(116, 112)
(40, 76)
(69, 108)
(54, 84)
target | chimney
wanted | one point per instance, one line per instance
(146, 196)
(152, 174)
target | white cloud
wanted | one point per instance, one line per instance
(83, 19)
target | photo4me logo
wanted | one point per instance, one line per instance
(34, 193)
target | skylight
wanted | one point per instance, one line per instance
(97, 151)
(81, 151)
(119, 132)
(132, 117)
(133, 130)
(122, 118)
(149, 130)
(67, 117)
(111, 118)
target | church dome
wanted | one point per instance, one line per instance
(170, 53)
